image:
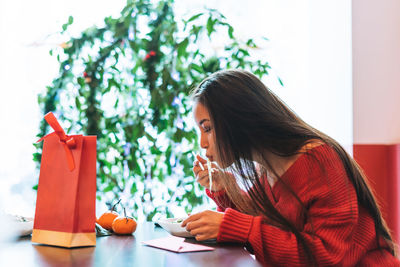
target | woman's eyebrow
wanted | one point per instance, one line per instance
(202, 121)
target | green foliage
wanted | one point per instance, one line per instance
(128, 84)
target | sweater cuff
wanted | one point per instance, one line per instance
(235, 227)
(214, 194)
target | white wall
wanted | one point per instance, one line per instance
(330, 77)
(376, 71)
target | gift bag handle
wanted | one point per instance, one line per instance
(67, 141)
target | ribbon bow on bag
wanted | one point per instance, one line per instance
(67, 141)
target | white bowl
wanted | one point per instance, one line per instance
(173, 227)
(17, 225)
(24, 228)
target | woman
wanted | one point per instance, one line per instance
(299, 198)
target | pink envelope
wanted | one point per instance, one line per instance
(176, 244)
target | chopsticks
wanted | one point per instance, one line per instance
(209, 172)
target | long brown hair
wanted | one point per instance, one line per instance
(248, 118)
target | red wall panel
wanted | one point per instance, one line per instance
(381, 163)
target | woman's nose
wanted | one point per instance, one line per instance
(203, 141)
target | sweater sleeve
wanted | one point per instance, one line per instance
(221, 199)
(332, 211)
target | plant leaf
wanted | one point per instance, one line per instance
(194, 17)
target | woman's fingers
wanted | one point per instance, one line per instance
(194, 225)
(196, 170)
(202, 175)
(203, 225)
(203, 179)
(198, 231)
(191, 218)
(202, 237)
(201, 159)
(198, 166)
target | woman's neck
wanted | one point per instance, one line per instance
(279, 165)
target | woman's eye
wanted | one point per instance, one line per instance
(207, 129)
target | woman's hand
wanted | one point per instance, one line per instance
(204, 225)
(202, 175)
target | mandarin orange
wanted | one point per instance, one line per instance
(124, 225)
(107, 218)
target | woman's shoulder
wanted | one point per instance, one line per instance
(318, 148)
(311, 145)
(312, 150)
(314, 154)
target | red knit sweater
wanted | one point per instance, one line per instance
(338, 230)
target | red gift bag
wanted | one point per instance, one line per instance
(66, 196)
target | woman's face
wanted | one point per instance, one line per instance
(207, 135)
